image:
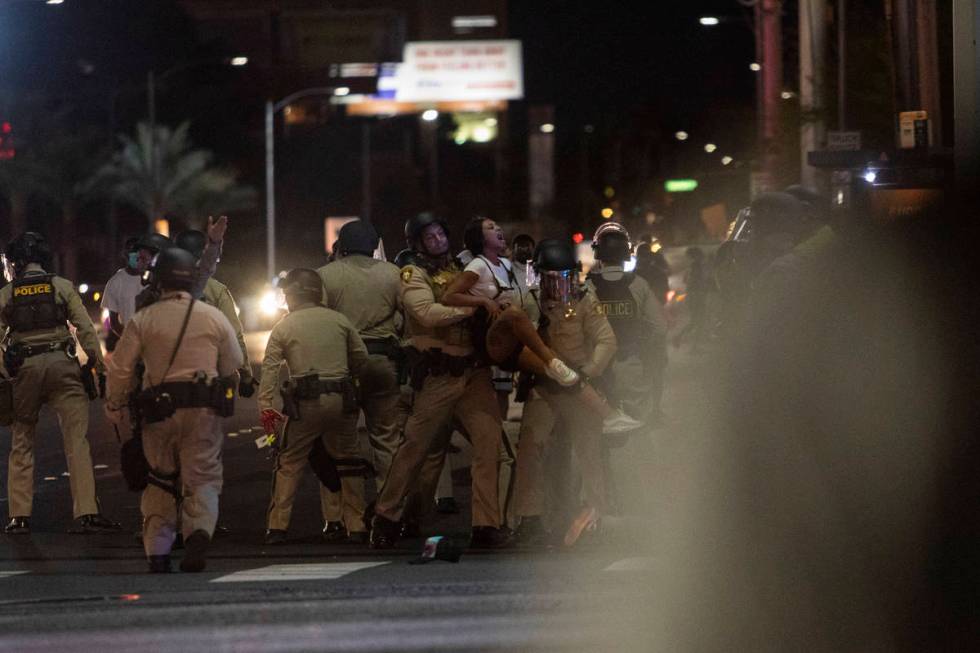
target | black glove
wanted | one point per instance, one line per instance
(246, 386)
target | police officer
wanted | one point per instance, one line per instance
(573, 324)
(35, 309)
(324, 354)
(207, 263)
(218, 295)
(365, 290)
(449, 380)
(189, 351)
(634, 378)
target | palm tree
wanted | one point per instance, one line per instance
(185, 182)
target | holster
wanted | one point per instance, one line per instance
(290, 407)
(88, 380)
(324, 466)
(135, 468)
(6, 401)
(311, 386)
(391, 348)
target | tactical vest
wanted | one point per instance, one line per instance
(622, 310)
(32, 305)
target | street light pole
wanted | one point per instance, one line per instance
(270, 191)
(151, 98)
(271, 109)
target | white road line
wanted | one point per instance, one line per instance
(313, 571)
(8, 574)
(633, 564)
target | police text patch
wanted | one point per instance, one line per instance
(33, 289)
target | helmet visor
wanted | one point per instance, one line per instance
(557, 286)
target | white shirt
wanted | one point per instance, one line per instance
(120, 294)
(494, 280)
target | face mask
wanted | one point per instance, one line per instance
(132, 260)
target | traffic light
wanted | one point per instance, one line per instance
(7, 150)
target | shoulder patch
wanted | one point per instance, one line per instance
(406, 274)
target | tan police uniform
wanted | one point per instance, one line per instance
(50, 376)
(314, 340)
(466, 393)
(189, 442)
(365, 290)
(583, 338)
(217, 294)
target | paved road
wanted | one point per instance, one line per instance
(79, 592)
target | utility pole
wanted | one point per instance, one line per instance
(841, 65)
(768, 14)
(966, 90)
(813, 46)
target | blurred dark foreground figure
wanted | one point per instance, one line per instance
(845, 513)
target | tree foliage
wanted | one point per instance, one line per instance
(186, 183)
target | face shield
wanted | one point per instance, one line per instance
(554, 285)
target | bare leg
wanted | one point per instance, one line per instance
(511, 329)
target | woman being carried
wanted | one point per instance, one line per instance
(509, 337)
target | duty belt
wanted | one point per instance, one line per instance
(382, 347)
(23, 350)
(159, 402)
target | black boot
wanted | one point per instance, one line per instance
(195, 552)
(18, 526)
(275, 536)
(488, 537)
(531, 532)
(93, 524)
(159, 564)
(334, 531)
(384, 533)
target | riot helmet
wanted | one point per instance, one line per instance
(555, 271)
(193, 241)
(357, 237)
(29, 247)
(173, 269)
(405, 257)
(415, 227)
(155, 242)
(302, 285)
(522, 248)
(611, 244)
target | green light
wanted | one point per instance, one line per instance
(680, 185)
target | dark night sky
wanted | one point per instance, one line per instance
(597, 58)
(591, 58)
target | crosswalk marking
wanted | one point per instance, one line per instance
(313, 571)
(8, 574)
(632, 564)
